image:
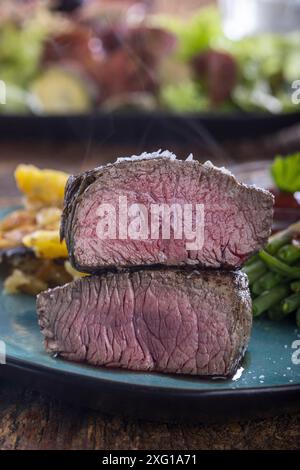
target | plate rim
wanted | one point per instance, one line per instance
(36, 368)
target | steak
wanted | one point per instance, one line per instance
(236, 218)
(187, 322)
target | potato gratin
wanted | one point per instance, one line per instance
(30, 247)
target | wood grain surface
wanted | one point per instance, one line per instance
(31, 420)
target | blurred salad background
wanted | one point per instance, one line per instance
(72, 56)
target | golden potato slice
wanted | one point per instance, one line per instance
(46, 244)
(41, 187)
(73, 272)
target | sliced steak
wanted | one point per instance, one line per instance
(153, 320)
(237, 218)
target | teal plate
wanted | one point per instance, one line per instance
(268, 378)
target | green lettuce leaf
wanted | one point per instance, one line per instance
(21, 47)
(183, 97)
(286, 172)
(198, 33)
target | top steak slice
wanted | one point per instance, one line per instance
(172, 320)
(237, 217)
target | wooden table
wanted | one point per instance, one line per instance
(31, 420)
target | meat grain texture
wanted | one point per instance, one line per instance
(237, 217)
(151, 320)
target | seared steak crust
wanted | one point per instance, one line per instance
(174, 321)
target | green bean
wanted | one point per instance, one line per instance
(266, 282)
(269, 298)
(289, 254)
(277, 242)
(295, 286)
(279, 267)
(254, 271)
(291, 303)
(252, 260)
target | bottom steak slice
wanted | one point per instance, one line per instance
(186, 322)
